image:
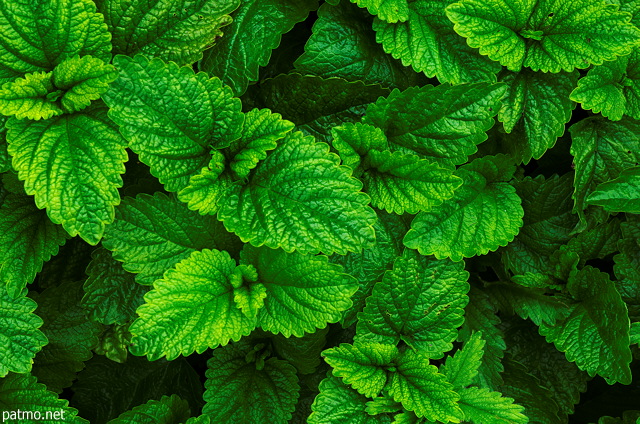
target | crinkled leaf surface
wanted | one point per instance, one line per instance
(528, 303)
(484, 406)
(338, 403)
(71, 335)
(174, 31)
(428, 43)
(239, 391)
(153, 233)
(190, 309)
(420, 388)
(601, 150)
(363, 365)
(484, 214)
(627, 271)
(357, 55)
(388, 10)
(19, 333)
(442, 123)
(113, 342)
(421, 302)
(595, 335)
(619, 195)
(547, 220)
(256, 30)
(301, 352)
(111, 293)
(461, 369)
(82, 80)
(535, 110)
(72, 164)
(300, 198)
(23, 392)
(313, 103)
(612, 88)
(37, 36)
(27, 240)
(303, 292)
(167, 410)
(546, 35)
(30, 97)
(171, 116)
(261, 132)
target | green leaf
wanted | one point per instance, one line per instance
(627, 270)
(528, 303)
(388, 10)
(5, 160)
(364, 366)
(301, 352)
(484, 214)
(106, 389)
(421, 302)
(602, 150)
(357, 56)
(548, 35)
(354, 140)
(82, 80)
(152, 233)
(461, 369)
(261, 132)
(40, 35)
(80, 197)
(303, 292)
(190, 309)
(171, 116)
(634, 333)
(114, 343)
(28, 239)
(167, 410)
(22, 392)
(547, 223)
(71, 335)
(420, 388)
(535, 110)
(428, 43)
(619, 195)
(20, 336)
(595, 335)
(442, 123)
(327, 102)
(480, 316)
(256, 30)
(480, 405)
(111, 293)
(311, 205)
(338, 403)
(174, 31)
(612, 88)
(208, 190)
(240, 391)
(30, 97)
(597, 242)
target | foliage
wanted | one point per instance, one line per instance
(320, 211)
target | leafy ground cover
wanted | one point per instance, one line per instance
(322, 212)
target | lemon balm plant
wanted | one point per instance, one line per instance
(323, 212)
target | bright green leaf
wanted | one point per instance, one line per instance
(363, 365)
(152, 233)
(80, 197)
(595, 335)
(174, 31)
(168, 410)
(619, 195)
(442, 123)
(190, 309)
(421, 302)
(311, 205)
(388, 10)
(484, 214)
(27, 240)
(171, 116)
(480, 405)
(303, 292)
(428, 43)
(461, 369)
(256, 30)
(20, 336)
(546, 35)
(240, 391)
(32, 97)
